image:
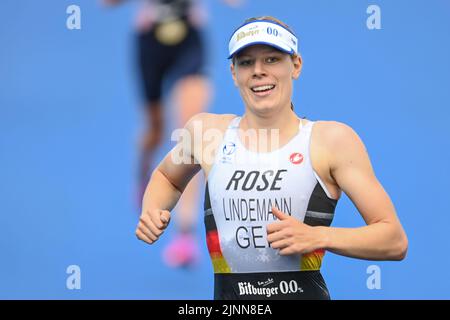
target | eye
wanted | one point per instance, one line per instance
(244, 62)
(272, 59)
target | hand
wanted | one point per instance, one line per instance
(292, 236)
(152, 224)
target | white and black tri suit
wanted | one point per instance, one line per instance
(241, 189)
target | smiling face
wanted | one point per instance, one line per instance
(264, 76)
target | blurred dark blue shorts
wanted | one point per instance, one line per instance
(157, 60)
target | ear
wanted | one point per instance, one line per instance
(233, 73)
(298, 63)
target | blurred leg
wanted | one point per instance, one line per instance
(191, 95)
(150, 141)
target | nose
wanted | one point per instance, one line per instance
(258, 69)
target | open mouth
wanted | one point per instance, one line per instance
(263, 90)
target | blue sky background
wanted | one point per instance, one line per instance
(70, 117)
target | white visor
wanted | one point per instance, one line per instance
(263, 32)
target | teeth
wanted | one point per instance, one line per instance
(263, 88)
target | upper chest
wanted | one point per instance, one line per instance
(317, 151)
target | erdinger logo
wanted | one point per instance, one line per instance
(296, 158)
(229, 148)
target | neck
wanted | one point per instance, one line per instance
(285, 123)
(284, 120)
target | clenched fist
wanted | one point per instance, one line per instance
(152, 224)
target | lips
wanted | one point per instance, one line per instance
(263, 90)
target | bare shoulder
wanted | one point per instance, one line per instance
(343, 147)
(211, 128)
(335, 134)
(210, 121)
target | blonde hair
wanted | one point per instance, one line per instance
(270, 18)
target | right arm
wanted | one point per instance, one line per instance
(165, 187)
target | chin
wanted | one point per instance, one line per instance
(264, 107)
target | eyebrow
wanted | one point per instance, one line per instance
(268, 50)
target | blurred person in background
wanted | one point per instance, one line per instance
(170, 43)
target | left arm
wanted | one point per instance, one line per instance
(383, 238)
